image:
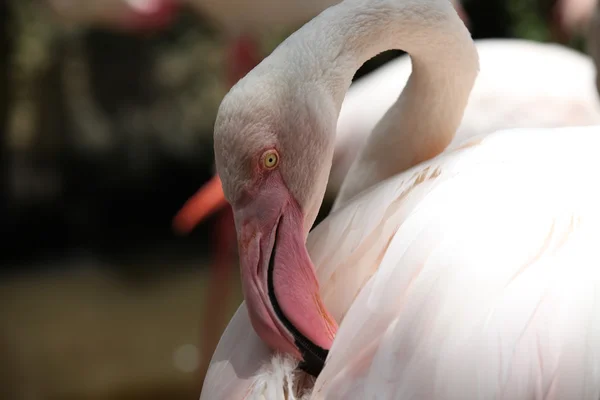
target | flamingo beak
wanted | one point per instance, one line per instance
(208, 200)
(278, 277)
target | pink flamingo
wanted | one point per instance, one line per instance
(523, 100)
(460, 274)
(240, 19)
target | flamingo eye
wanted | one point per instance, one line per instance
(270, 159)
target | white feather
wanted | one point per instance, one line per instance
(280, 380)
(521, 84)
(488, 287)
(483, 280)
(473, 276)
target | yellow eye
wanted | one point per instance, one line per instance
(270, 159)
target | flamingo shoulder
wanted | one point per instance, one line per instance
(487, 285)
(473, 275)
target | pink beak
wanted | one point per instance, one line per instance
(279, 282)
(278, 277)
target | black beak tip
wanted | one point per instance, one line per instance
(313, 363)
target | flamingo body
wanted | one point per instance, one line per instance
(472, 275)
(480, 256)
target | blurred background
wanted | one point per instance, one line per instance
(106, 115)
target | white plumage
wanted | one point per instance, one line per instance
(488, 280)
(471, 275)
(521, 84)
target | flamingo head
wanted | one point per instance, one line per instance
(273, 152)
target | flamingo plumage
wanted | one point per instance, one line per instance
(517, 87)
(241, 21)
(396, 263)
(431, 232)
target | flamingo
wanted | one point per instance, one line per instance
(526, 100)
(469, 273)
(242, 20)
(126, 15)
(530, 97)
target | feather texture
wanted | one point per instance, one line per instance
(517, 87)
(472, 276)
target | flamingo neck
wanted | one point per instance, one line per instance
(323, 56)
(330, 48)
(424, 119)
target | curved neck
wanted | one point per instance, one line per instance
(424, 119)
(320, 59)
(330, 48)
